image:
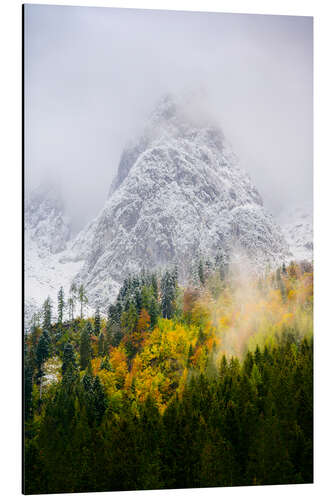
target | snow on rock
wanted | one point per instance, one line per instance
(47, 233)
(297, 227)
(44, 220)
(179, 193)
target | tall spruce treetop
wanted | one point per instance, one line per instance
(97, 322)
(61, 305)
(83, 299)
(168, 290)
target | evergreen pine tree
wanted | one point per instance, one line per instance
(101, 345)
(47, 314)
(154, 284)
(70, 305)
(168, 294)
(42, 352)
(97, 322)
(28, 384)
(100, 401)
(61, 305)
(83, 299)
(72, 300)
(153, 311)
(85, 346)
(68, 360)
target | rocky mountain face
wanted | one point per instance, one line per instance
(45, 221)
(47, 233)
(297, 227)
(179, 194)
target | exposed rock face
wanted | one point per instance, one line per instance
(179, 193)
(44, 220)
(297, 227)
(47, 232)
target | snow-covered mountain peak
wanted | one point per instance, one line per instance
(179, 193)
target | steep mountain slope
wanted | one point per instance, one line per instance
(47, 232)
(297, 227)
(179, 193)
(45, 221)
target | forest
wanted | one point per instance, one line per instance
(209, 384)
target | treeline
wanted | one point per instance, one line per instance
(148, 396)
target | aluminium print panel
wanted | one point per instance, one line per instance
(168, 266)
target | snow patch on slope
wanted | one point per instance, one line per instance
(297, 227)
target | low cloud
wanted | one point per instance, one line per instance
(93, 75)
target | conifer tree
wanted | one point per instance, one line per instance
(85, 346)
(101, 345)
(28, 384)
(42, 352)
(83, 299)
(68, 360)
(153, 311)
(61, 305)
(154, 284)
(168, 294)
(97, 323)
(138, 301)
(100, 402)
(70, 305)
(47, 314)
(34, 336)
(72, 300)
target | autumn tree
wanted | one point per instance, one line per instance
(143, 321)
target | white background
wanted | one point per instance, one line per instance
(10, 244)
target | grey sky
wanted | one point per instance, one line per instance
(93, 74)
